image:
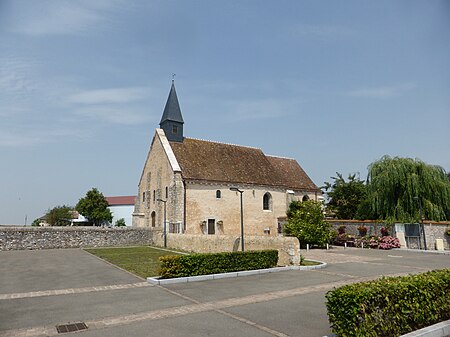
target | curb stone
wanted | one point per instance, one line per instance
(441, 329)
(157, 281)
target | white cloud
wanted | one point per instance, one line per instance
(113, 114)
(112, 95)
(382, 92)
(258, 109)
(20, 137)
(61, 17)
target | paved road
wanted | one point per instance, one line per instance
(42, 289)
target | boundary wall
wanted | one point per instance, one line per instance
(433, 230)
(20, 238)
(288, 247)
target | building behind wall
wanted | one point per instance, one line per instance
(192, 178)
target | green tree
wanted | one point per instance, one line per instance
(120, 222)
(59, 216)
(95, 208)
(308, 224)
(345, 196)
(397, 186)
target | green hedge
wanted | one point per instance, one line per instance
(204, 264)
(390, 306)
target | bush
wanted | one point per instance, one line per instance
(205, 264)
(382, 242)
(390, 306)
(121, 223)
(306, 222)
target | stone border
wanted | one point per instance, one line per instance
(157, 281)
(441, 329)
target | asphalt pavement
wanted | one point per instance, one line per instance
(40, 290)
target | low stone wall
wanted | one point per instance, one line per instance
(433, 231)
(19, 238)
(288, 247)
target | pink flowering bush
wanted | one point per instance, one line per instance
(388, 242)
(382, 242)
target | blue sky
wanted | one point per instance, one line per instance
(333, 84)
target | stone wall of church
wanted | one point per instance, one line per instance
(204, 209)
(159, 181)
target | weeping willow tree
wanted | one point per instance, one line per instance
(397, 186)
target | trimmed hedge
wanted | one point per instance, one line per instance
(390, 306)
(204, 264)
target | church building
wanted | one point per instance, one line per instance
(187, 181)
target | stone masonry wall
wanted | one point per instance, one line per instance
(19, 238)
(433, 230)
(288, 247)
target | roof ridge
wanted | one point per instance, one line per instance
(217, 142)
(274, 156)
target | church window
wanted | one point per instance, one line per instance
(175, 129)
(305, 198)
(154, 196)
(143, 196)
(218, 194)
(167, 192)
(153, 219)
(267, 202)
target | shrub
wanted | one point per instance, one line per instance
(306, 222)
(341, 229)
(362, 230)
(205, 264)
(120, 222)
(382, 242)
(390, 306)
(388, 242)
(384, 231)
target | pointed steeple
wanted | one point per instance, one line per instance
(172, 120)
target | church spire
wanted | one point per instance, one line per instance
(172, 120)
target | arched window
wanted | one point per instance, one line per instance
(153, 219)
(305, 198)
(218, 194)
(267, 202)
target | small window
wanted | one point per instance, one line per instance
(167, 192)
(154, 195)
(267, 202)
(153, 219)
(305, 198)
(143, 196)
(218, 194)
(175, 129)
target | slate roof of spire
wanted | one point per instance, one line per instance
(225, 163)
(172, 111)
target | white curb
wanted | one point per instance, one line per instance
(157, 281)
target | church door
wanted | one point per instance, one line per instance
(211, 226)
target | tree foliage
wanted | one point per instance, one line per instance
(59, 216)
(397, 186)
(345, 196)
(120, 222)
(95, 208)
(307, 222)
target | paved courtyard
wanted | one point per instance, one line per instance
(42, 289)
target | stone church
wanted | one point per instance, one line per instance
(191, 179)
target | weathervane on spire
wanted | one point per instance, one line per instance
(173, 77)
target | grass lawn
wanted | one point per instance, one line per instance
(309, 263)
(142, 261)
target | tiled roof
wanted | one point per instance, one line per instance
(121, 200)
(219, 162)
